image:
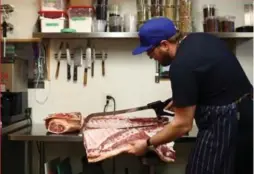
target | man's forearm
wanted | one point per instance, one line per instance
(169, 133)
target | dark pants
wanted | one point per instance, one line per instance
(224, 143)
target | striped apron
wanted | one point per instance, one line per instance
(217, 150)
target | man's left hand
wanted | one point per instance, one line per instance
(138, 147)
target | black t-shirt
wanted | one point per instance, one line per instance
(206, 72)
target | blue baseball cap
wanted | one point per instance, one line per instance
(152, 32)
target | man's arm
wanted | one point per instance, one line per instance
(179, 126)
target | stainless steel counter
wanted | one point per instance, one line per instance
(38, 132)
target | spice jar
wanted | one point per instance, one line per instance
(143, 12)
(227, 24)
(212, 24)
(208, 10)
(115, 23)
(185, 25)
(156, 10)
(185, 8)
(142, 2)
(170, 12)
(156, 2)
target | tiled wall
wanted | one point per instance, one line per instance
(129, 79)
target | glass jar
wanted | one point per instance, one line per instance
(227, 24)
(212, 24)
(185, 24)
(185, 8)
(114, 10)
(143, 12)
(208, 10)
(170, 12)
(157, 10)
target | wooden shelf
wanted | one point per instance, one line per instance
(29, 40)
(128, 35)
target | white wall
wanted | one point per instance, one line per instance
(129, 79)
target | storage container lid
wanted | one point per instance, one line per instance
(52, 14)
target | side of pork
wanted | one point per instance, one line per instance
(59, 123)
(101, 144)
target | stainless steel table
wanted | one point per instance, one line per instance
(39, 134)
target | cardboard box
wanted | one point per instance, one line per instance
(81, 2)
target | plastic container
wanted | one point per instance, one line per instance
(81, 18)
(52, 22)
(52, 5)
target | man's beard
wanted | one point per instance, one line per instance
(166, 59)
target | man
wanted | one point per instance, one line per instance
(208, 85)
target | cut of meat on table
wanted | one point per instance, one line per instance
(101, 144)
(59, 123)
(121, 122)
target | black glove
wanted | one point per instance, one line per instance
(159, 106)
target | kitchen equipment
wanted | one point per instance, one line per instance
(103, 62)
(248, 19)
(157, 73)
(59, 54)
(87, 61)
(81, 18)
(157, 106)
(78, 59)
(14, 75)
(93, 61)
(68, 56)
(13, 106)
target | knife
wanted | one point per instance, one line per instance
(59, 54)
(154, 105)
(103, 62)
(68, 56)
(88, 57)
(93, 60)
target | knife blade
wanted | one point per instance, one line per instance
(88, 57)
(59, 54)
(93, 60)
(103, 63)
(68, 56)
(153, 105)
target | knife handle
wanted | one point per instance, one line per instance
(57, 70)
(92, 69)
(68, 71)
(103, 68)
(75, 73)
(85, 78)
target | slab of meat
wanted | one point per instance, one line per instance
(122, 122)
(60, 123)
(104, 143)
